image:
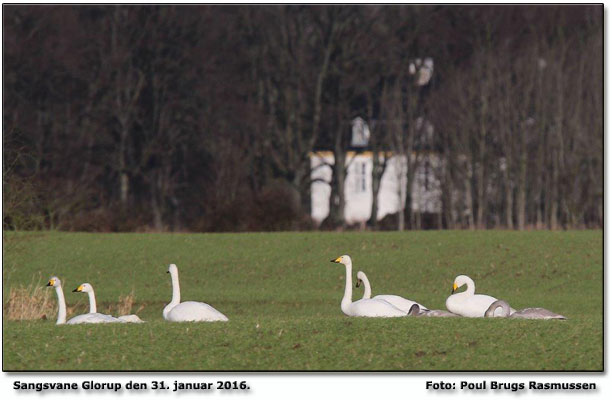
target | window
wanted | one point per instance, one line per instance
(363, 177)
(360, 182)
(360, 133)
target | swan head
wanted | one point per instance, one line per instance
(346, 260)
(84, 287)
(172, 269)
(360, 278)
(54, 281)
(460, 281)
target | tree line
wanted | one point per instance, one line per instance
(202, 118)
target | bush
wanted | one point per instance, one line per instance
(30, 303)
(277, 208)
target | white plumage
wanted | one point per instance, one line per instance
(93, 317)
(397, 301)
(132, 318)
(468, 304)
(363, 307)
(188, 310)
(89, 318)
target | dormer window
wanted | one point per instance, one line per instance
(360, 133)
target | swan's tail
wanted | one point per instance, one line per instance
(133, 318)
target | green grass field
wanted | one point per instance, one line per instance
(282, 296)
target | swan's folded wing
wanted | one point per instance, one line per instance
(93, 318)
(537, 313)
(439, 313)
(400, 302)
(472, 306)
(195, 311)
(375, 308)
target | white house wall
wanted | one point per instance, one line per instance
(358, 186)
(392, 191)
(320, 189)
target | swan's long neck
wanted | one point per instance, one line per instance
(176, 290)
(498, 304)
(505, 308)
(367, 289)
(348, 288)
(176, 294)
(471, 288)
(61, 301)
(92, 302)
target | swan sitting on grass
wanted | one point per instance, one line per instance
(363, 307)
(526, 313)
(90, 318)
(398, 301)
(94, 316)
(187, 310)
(56, 283)
(87, 288)
(468, 304)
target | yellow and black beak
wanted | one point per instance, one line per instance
(336, 260)
(454, 288)
(358, 283)
(51, 282)
(79, 289)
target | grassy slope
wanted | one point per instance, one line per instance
(285, 284)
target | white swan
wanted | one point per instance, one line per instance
(398, 301)
(468, 304)
(55, 282)
(187, 310)
(363, 307)
(93, 317)
(86, 287)
(417, 312)
(526, 313)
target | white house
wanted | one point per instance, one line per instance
(426, 189)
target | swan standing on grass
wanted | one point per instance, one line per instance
(187, 310)
(526, 313)
(397, 301)
(468, 304)
(363, 307)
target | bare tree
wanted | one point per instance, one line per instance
(204, 117)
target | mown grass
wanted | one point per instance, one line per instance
(282, 296)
